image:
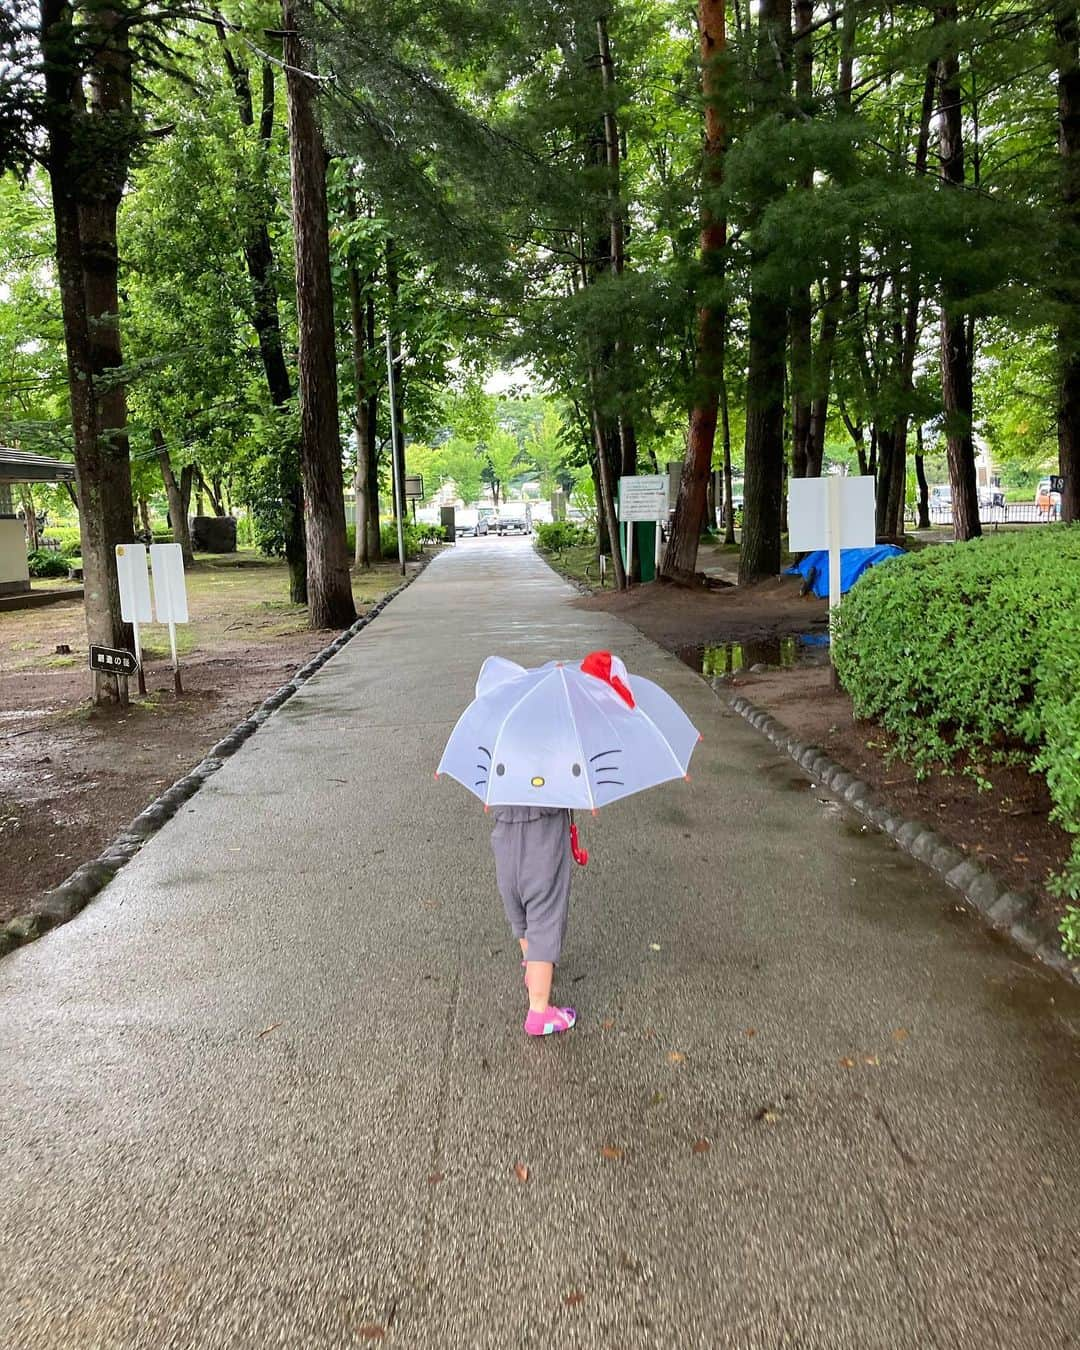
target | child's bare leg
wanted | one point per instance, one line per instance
(538, 976)
(523, 943)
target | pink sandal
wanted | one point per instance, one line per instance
(549, 1021)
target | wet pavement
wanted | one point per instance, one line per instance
(270, 1089)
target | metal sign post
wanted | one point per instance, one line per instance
(170, 596)
(399, 492)
(135, 606)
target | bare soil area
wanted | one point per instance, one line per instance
(71, 776)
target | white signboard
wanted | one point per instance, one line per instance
(809, 513)
(833, 513)
(170, 589)
(643, 497)
(134, 581)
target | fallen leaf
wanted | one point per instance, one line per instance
(610, 1152)
(768, 1115)
(435, 1178)
(700, 1146)
(521, 1172)
(654, 946)
(607, 1024)
(656, 1099)
(846, 1063)
(751, 1031)
(872, 1060)
(675, 1056)
(572, 1300)
(371, 1332)
(901, 1034)
(267, 1030)
(1021, 857)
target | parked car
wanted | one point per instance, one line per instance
(941, 497)
(512, 525)
(991, 496)
(1046, 502)
(465, 531)
(483, 525)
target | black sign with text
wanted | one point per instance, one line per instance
(112, 662)
(1057, 482)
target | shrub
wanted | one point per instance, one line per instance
(556, 535)
(972, 652)
(42, 562)
(432, 534)
(1070, 931)
(388, 536)
(67, 537)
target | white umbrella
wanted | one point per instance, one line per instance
(576, 734)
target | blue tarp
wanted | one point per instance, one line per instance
(853, 563)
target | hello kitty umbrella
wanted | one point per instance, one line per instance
(577, 734)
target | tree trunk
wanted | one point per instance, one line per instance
(212, 490)
(176, 497)
(606, 489)
(1067, 36)
(725, 431)
(764, 468)
(956, 352)
(617, 220)
(330, 599)
(265, 318)
(801, 311)
(924, 487)
(362, 553)
(84, 209)
(680, 558)
(30, 522)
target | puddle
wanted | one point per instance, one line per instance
(721, 660)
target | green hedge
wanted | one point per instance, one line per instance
(972, 652)
(67, 537)
(554, 536)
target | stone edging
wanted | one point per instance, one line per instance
(72, 895)
(576, 582)
(1009, 913)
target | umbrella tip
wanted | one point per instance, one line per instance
(595, 811)
(486, 808)
(436, 775)
(686, 777)
(699, 736)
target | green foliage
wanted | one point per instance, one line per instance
(1069, 928)
(69, 541)
(410, 536)
(556, 535)
(971, 654)
(42, 562)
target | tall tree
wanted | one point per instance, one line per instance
(1067, 36)
(680, 558)
(91, 134)
(330, 600)
(957, 358)
(262, 270)
(763, 487)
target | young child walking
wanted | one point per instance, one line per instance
(532, 847)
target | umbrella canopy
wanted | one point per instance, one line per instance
(574, 734)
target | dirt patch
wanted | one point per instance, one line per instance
(679, 618)
(72, 776)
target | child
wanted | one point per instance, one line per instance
(532, 867)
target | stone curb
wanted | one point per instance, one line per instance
(72, 895)
(1007, 912)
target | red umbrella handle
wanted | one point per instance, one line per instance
(581, 855)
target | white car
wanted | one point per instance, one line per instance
(513, 525)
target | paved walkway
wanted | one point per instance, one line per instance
(270, 1088)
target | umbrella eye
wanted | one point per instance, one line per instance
(500, 769)
(576, 770)
(538, 782)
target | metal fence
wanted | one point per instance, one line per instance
(1012, 513)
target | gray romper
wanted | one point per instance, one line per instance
(532, 867)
